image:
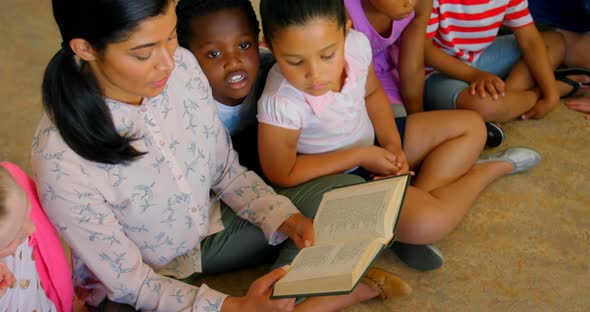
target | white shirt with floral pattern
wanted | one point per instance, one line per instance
(131, 226)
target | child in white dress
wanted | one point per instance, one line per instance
(34, 273)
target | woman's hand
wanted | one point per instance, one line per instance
(6, 278)
(300, 229)
(258, 296)
(484, 83)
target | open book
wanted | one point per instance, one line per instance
(352, 225)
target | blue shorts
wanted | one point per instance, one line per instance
(441, 91)
(400, 122)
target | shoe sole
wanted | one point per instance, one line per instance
(495, 135)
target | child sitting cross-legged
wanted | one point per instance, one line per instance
(500, 77)
(323, 111)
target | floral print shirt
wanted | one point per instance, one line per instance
(132, 227)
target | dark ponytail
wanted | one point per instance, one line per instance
(73, 101)
(72, 97)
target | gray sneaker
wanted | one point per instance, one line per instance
(521, 158)
(419, 257)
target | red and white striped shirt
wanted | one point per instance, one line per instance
(465, 28)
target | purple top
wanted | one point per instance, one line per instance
(385, 50)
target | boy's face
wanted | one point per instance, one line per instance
(311, 56)
(16, 225)
(226, 47)
(396, 9)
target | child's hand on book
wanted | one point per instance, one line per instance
(6, 278)
(400, 161)
(258, 296)
(380, 161)
(300, 229)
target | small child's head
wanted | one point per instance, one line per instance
(394, 9)
(307, 39)
(15, 221)
(223, 35)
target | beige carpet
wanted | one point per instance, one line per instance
(525, 245)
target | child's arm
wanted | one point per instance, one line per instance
(535, 56)
(480, 82)
(277, 149)
(6, 278)
(383, 120)
(411, 68)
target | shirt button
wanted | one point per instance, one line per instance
(162, 143)
(24, 283)
(194, 210)
(143, 109)
(180, 177)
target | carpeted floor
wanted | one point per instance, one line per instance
(524, 246)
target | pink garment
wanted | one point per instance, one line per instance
(385, 50)
(50, 259)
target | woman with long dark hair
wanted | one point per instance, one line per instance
(135, 170)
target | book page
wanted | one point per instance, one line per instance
(348, 218)
(362, 211)
(326, 260)
(327, 269)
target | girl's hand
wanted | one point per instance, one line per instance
(484, 83)
(300, 229)
(379, 161)
(258, 296)
(401, 162)
(543, 107)
(6, 278)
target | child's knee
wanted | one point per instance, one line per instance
(427, 226)
(487, 110)
(474, 125)
(556, 46)
(466, 123)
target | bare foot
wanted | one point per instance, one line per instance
(581, 104)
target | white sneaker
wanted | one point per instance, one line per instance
(521, 158)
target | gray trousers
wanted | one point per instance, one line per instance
(242, 244)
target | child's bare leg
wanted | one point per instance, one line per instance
(577, 47)
(428, 217)
(445, 144)
(520, 78)
(336, 303)
(510, 106)
(448, 183)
